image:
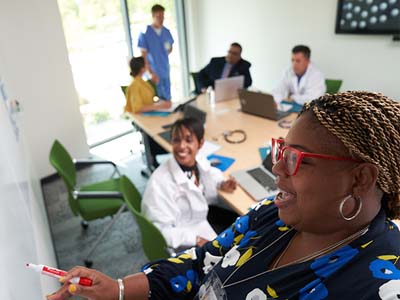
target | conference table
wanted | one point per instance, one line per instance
(224, 116)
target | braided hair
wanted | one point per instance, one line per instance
(368, 124)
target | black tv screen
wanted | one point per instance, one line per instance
(368, 16)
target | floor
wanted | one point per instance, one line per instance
(120, 253)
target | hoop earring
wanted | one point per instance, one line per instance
(343, 203)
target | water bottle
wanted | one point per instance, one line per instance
(211, 96)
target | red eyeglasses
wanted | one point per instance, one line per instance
(293, 157)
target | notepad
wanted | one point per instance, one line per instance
(294, 107)
(156, 113)
(224, 161)
(264, 152)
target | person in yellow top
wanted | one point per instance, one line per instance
(140, 95)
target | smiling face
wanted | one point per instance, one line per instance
(185, 146)
(310, 199)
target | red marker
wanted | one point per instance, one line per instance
(56, 273)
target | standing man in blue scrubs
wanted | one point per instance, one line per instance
(156, 44)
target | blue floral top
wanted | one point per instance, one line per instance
(367, 268)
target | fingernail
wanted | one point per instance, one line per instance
(61, 279)
(72, 288)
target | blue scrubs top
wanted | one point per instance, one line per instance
(157, 47)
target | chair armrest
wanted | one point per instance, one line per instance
(91, 195)
(88, 162)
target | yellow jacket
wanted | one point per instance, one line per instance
(138, 94)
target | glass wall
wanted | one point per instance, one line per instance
(140, 17)
(99, 57)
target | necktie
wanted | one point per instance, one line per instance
(226, 71)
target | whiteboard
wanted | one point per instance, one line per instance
(17, 244)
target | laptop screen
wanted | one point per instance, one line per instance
(191, 111)
(267, 162)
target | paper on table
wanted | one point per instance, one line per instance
(285, 107)
(171, 109)
(208, 148)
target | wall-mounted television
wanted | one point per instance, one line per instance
(368, 16)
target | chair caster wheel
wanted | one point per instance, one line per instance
(144, 173)
(84, 225)
(88, 263)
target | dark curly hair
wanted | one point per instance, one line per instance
(368, 124)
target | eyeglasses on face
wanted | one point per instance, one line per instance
(234, 53)
(292, 157)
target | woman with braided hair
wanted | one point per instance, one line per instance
(326, 235)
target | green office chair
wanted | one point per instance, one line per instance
(94, 201)
(333, 85)
(195, 77)
(153, 242)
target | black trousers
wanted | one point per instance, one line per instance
(152, 148)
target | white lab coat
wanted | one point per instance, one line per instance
(176, 206)
(311, 86)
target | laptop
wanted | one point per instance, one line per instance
(260, 104)
(258, 182)
(189, 111)
(227, 88)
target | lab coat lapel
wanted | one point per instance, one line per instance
(295, 86)
(180, 177)
(304, 78)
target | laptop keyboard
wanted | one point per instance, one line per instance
(262, 178)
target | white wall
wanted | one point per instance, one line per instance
(268, 29)
(24, 232)
(39, 76)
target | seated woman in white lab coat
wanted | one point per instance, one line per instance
(179, 192)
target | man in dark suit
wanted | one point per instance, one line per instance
(222, 67)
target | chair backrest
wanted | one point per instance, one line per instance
(153, 242)
(62, 162)
(131, 193)
(195, 77)
(333, 85)
(154, 86)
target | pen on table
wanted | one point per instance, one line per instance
(56, 273)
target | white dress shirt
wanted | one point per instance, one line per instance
(311, 86)
(177, 207)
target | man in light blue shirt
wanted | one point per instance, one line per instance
(156, 44)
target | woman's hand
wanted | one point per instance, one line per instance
(155, 78)
(164, 104)
(228, 185)
(200, 241)
(103, 287)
